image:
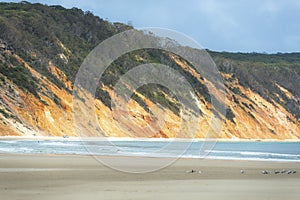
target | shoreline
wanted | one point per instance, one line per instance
(14, 146)
(221, 159)
(143, 139)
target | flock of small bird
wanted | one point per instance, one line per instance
(276, 172)
(193, 171)
(279, 172)
(262, 172)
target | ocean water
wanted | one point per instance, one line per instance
(272, 151)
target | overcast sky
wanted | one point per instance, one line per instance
(222, 25)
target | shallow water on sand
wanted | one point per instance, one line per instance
(275, 151)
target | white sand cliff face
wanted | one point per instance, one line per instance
(22, 114)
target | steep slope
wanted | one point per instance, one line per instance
(42, 48)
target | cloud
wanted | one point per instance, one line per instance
(270, 6)
(221, 19)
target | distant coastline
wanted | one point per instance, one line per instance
(143, 139)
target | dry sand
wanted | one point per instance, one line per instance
(45, 177)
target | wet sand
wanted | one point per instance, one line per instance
(46, 177)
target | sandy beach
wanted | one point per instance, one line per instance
(46, 177)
